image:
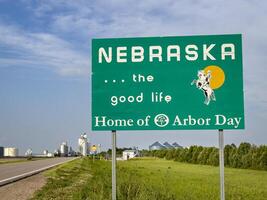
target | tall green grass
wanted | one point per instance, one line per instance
(149, 178)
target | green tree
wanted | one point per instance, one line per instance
(228, 149)
(196, 152)
(203, 156)
(243, 148)
(213, 157)
(184, 155)
(170, 154)
(263, 161)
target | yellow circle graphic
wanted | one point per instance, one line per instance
(217, 76)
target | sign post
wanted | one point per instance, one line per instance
(114, 186)
(221, 154)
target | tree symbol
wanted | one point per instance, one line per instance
(161, 120)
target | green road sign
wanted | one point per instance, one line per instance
(167, 83)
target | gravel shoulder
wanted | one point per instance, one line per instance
(23, 189)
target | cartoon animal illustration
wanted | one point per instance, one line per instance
(203, 83)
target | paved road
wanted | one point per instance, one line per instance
(11, 171)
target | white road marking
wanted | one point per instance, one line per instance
(27, 174)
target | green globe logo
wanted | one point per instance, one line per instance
(161, 120)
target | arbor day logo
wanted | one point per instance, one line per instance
(209, 79)
(161, 120)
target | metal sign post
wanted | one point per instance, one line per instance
(113, 165)
(221, 154)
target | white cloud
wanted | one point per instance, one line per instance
(151, 18)
(41, 50)
(82, 20)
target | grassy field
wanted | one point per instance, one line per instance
(149, 178)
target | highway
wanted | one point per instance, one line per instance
(15, 171)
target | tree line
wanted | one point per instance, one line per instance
(246, 155)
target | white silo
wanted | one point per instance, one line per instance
(85, 149)
(45, 152)
(11, 152)
(64, 150)
(83, 144)
(28, 153)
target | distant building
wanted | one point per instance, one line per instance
(177, 146)
(1, 152)
(49, 155)
(11, 152)
(45, 152)
(83, 145)
(156, 146)
(57, 152)
(72, 152)
(28, 153)
(167, 145)
(128, 154)
(64, 149)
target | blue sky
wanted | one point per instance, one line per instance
(45, 65)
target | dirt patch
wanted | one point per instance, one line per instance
(23, 189)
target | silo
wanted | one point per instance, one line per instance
(11, 152)
(84, 148)
(83, 144)
(28, 153)
(1, 152)
(64, 149)
(45, 152)
(80, 143)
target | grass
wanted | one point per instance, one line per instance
(149, 178)
(66, 181)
